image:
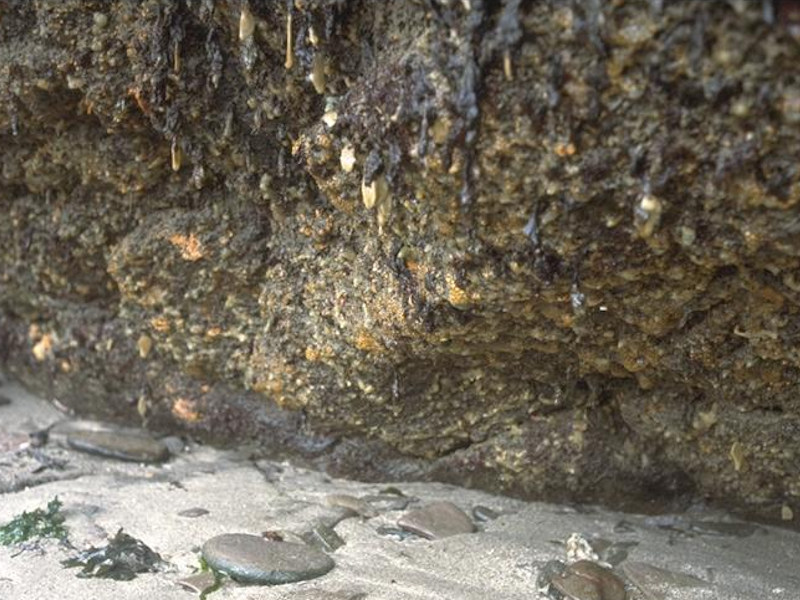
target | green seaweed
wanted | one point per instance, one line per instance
(219, 579)
(121, 559)
(36, 524)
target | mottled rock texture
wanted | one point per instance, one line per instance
(548, 248)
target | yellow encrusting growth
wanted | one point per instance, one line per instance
(190, 247)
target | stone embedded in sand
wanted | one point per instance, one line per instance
(437, 520)
(357, 505)
(252, 559)
(323, 537)
(484, 513)
(122, 444)
(193, 513)
(199, 582)
(587, 580)
(109, 441)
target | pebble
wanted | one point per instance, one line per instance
(389, 502)
(586, 580)
(437, 520)
(199, 582)
(484, 513)
(324, 538)
(252, 559)
(357, 505)
(129, 447)
(193, 512)
(109, 441)
(395, 532)
(174, 444)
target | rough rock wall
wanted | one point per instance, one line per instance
(549, 248)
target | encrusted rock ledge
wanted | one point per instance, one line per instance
(544, 248)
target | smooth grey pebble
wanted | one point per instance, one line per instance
(484, 513)
(252, 559)
(193, 512)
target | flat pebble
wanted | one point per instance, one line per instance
(193, 513)
(129, 447)
(357, 505)
(252, 559)
(109, 441)
(323, 537)
(199, 582)
(437, 520)
(389, 502)
(395, 532)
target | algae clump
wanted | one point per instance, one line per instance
(122, 559)
(36, 524)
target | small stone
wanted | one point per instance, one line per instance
(395, 532)
(174, 444)
(389, 502)
(437, 520)
(484, 513)
(331, 517)
(586, 580)
(576, 587)
(787, 514)
(549, 571)
(252, 559)
(624, 527)
(357, 505)
(199, 582)
(193, 513)
(134, 447)
(107, 440)
(323, 537)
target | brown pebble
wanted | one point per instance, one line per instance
(437, 520)
(587, 580)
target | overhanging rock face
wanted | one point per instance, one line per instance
(547, 248)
